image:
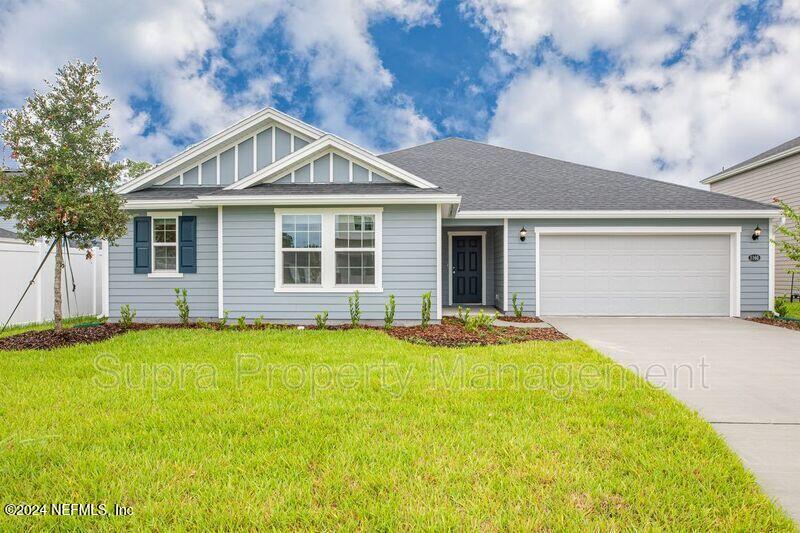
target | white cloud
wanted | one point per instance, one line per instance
(678, 123)
(171, 53)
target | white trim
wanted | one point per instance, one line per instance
(236, 163)
(326, 199)
(450, 235)
(220, 139)
(667, 213)
(180, 179)
(322, 146)
(328, 250)
(220, 255)
(735, 233)
(218, 168)
(200, 173)
(350, 171)
(755, 164)
(771, 266)
(439, 295)
(274, 134)
(164, 274)
(330, 167)
(106, 289)
(255, 152)
(505, 265)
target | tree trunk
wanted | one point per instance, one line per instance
(57, 286)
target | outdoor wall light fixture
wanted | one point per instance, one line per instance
(756, 233)
(523, 233)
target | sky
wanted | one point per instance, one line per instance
(668, 89)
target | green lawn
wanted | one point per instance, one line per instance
(406, 436)
(13, 330)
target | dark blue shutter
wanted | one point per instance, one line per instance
(187, 242)
(141, 245)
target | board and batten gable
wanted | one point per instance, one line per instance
(409, 268)
(754, 275)
(779, 179)
(154, 297)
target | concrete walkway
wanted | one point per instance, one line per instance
(743, 377)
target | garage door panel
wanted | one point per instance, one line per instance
(628, 275)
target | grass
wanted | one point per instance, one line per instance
(22, 328)
(409, 436)
(794, 310)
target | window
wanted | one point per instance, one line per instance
(301, 238)
(165, 244)
(328, 249)
(355, 249)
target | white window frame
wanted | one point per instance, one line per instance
(329, 249)
(153, 244)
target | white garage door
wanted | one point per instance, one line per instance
(635, 275)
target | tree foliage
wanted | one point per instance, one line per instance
(790, 245)
(61, 141)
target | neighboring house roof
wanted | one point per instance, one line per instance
(490, 178)
(8, 234)
(773, 154)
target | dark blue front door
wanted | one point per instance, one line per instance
(467, 273)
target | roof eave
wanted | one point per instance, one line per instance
(661, 213)
(303, 199)
(755, 164)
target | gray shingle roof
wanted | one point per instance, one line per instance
(493, 178)
(170, 193)
(788, 145)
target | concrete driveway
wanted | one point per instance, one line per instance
(741, 376)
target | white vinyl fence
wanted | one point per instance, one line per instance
(18, 262)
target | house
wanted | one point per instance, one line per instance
(274, 217)
(770, 174)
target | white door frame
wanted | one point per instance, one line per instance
(735, 233)
(482, 235)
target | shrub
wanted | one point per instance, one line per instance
(241, 322)
(517, 308)
(182, 304)
(258, 321)
(201, 323)
(463, 314)
(355, 309)
(126, 315)
(223, 322)
(426, 309)
(388, 316)
(781, 307)
(321, 319)
(481, 320)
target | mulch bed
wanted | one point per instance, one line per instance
(450, 332)
(788, 324)
(519, 319)
(49, 338)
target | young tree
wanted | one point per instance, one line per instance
(790, 245)
(61, 140)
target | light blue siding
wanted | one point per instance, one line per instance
(303, 174)
(264, 146)
(754, 275)
(341, 169)
(322, 170)
(154, 297)
(190, 177)
(409, 267)
(245, 158)
(210, 171)
(360, 174)
(227, 168)
(497, 256)
(283, 143)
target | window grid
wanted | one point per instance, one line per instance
(165, 244)
(355, 249)
(301, 241)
